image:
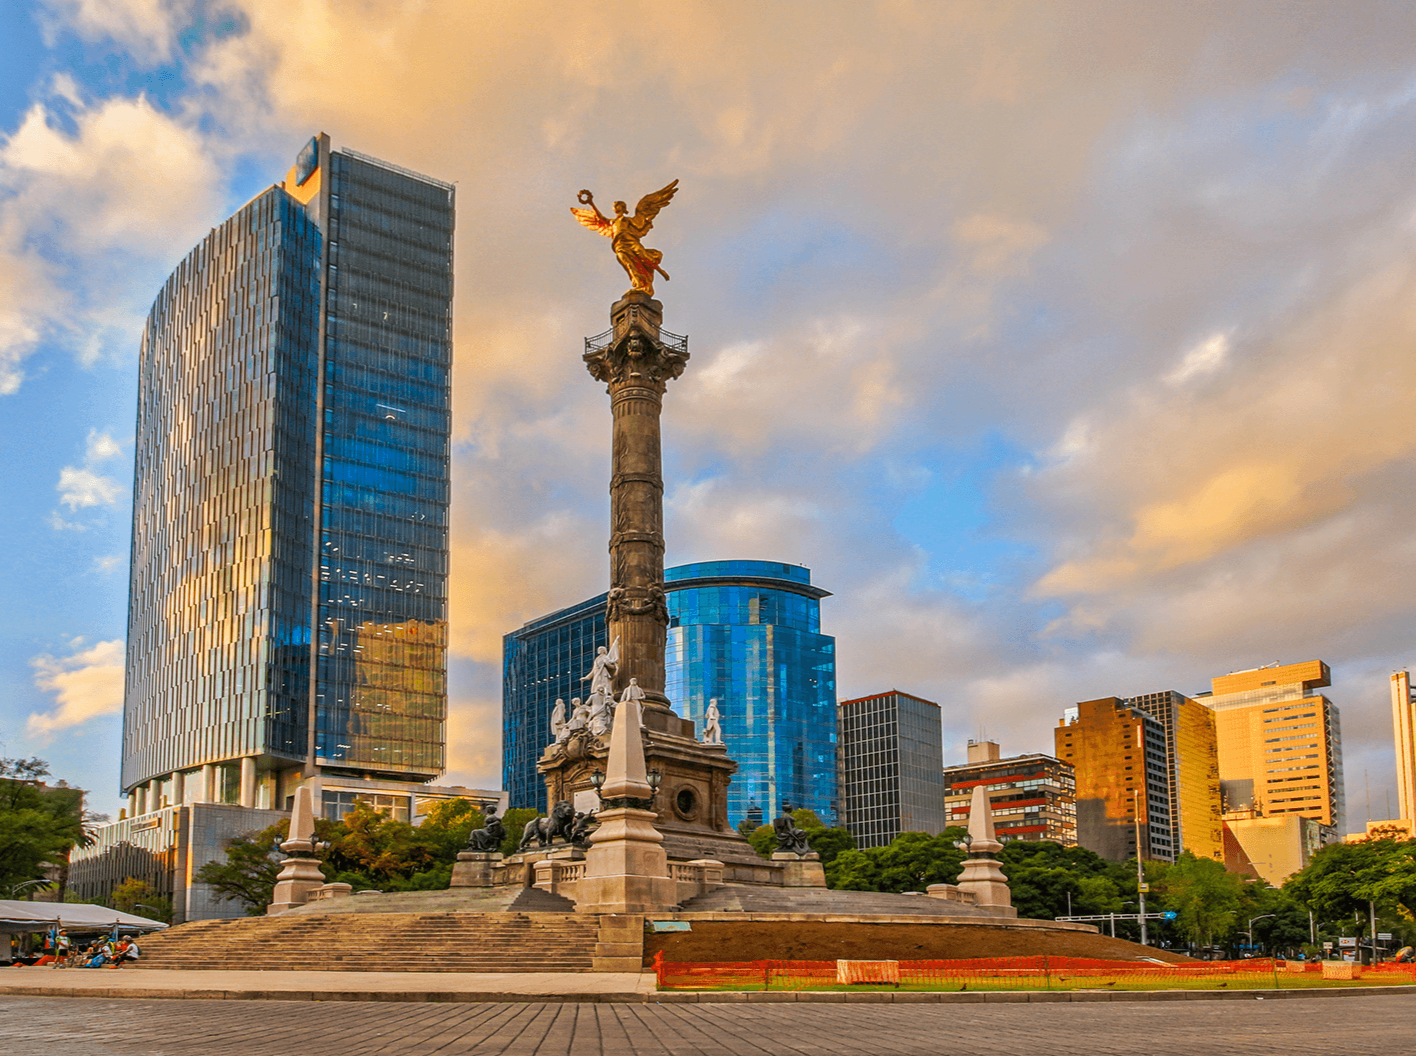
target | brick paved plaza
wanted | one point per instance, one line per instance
(41, 1026)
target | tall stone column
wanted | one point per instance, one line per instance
(636, 360)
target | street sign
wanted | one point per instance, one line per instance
(1347, 943)
(1383, 936)
(1145, 889)
(1170, 914)
(1327, 945)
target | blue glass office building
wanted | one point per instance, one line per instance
(746, 633)
(543, 661)
(291, 494)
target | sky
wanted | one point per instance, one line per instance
(1069, 344)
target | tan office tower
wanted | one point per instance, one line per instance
(1192, 759)
(1118, 752)
(1280, 744)
(1403, 721)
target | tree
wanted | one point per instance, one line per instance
(1048, 880)
(140, 897)
(1204, 896)
(1342, 879)
(38, 824)
(827, 841)
(515, 821)
(249, 871)
(447, 825)
(912, 862)
(370, 849)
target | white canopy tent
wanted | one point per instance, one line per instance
(17, 916)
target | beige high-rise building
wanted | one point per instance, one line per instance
(1192, 760)
(1403, 722)
(1280, 744)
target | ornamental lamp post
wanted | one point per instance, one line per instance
(1261, 916)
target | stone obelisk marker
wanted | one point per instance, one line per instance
(636, 360)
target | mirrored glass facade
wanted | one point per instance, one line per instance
(382, 622)
(543, 661)
(746, 633)
(294, 403)
(891, 765)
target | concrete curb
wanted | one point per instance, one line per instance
(704, 997)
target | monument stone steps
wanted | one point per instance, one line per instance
(451, 942)
(754, 898)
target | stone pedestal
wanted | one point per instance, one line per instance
(626, 869)
(982, 876)
(474, 869)
(299, 878)
(801, 870)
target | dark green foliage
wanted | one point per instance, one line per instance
(830, 842)
(1343, 878)
(911, 863)
(1042, 875)
(515, 820)
(447, 825)
(38, 825)
(1208, 900)
(827, 842)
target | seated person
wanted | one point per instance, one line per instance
(126, 953)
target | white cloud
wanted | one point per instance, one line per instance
(83, 487)
(87, 684)
(101, 446)
(105, 565)
(97, 199)
(146, 28)
(60, 525)
(1205, 358)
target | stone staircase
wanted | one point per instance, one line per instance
(754, 898)
(382, 942)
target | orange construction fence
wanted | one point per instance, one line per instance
(1005, 973)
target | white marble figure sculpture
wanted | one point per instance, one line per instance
(712, 724)
(579, 717)
(633, 694)
(601, 715)
(602, 674)
(559, 734)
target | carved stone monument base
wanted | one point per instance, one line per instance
(626, 869)
(801, 870)
(474, 869)
(983, 878)
(519, 869)
(299, 878)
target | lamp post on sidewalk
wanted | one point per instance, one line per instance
(1261, 916)
(1140, 869)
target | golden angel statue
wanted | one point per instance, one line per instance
(625, 231)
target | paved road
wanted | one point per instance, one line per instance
(1356, 1026)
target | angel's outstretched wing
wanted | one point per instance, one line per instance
(592, 219)
(650, 204)
(614, 654)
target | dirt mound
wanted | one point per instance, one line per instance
(718, 941)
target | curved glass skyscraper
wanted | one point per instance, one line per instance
(746, 633)
(290, 506)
